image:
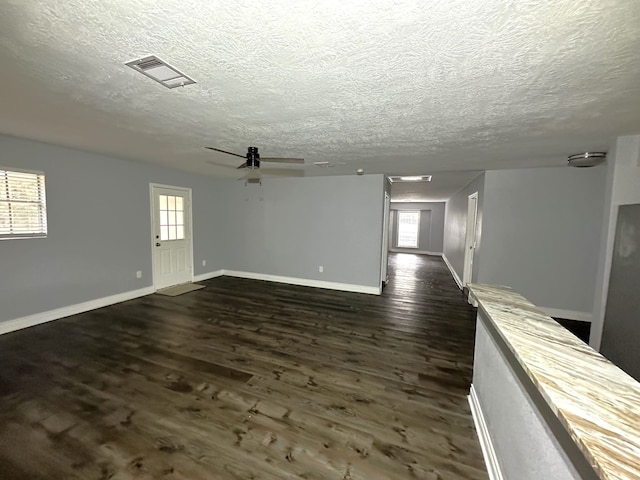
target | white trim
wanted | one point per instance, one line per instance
(208, 275)
(470, 238)
(305, 282)
(488, 452)
(48, 316)
(413, 250)
(568, 314)
(453, 272)
(384, 254)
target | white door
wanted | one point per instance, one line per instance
(470, 239)
(171, 236)
(385, 239)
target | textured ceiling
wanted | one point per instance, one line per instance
(394, 87)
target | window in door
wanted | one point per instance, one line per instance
(23, 207)
(171, 217)
(408, 228)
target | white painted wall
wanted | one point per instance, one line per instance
(541, 235)
(622, 188)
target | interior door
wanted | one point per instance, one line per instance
(171, 232)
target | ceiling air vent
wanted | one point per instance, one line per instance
(323, 164)
(415, 178)
(161, 72)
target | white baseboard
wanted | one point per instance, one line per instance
(208, 275)
(488, 452)
(44, 317)
(346, 287)
(411, 250)
(453, 272)
(568, 314)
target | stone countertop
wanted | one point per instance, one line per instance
(595, 401)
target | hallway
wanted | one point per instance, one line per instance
(249, 379)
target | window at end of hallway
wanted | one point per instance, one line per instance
(23, 208)
(408, 227)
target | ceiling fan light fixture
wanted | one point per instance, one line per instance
(587, 159)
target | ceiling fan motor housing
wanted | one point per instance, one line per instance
(253, 158)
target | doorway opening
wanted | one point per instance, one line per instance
(470, 243)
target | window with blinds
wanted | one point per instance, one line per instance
(408, 228)
(23, 209)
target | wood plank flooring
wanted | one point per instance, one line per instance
(249, 380)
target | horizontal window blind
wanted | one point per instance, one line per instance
(23, 209)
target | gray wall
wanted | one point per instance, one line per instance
(431, 236)
(303, 223)
(541, 234)
(456, 226)
(524, 444)
(621, 334)
(99, 228)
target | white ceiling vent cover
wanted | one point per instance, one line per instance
(412, 178)
(161, 72)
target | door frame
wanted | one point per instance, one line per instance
(471, 236)
(153, 227)
(384, 261)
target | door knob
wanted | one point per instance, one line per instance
(157, 244)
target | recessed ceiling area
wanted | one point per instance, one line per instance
(394, 87)
(441, 187)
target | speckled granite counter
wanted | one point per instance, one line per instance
(596, 402)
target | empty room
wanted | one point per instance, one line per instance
(319, 240)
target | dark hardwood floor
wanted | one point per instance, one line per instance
(249, 380)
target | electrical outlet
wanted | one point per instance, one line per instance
(138, 274)
(204, 263)
(321, 269)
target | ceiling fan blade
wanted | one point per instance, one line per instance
(224, 151)
(282, 172)
(223, 165)
(281, 160)
(244, 165)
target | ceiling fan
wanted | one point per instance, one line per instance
(252, 163)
